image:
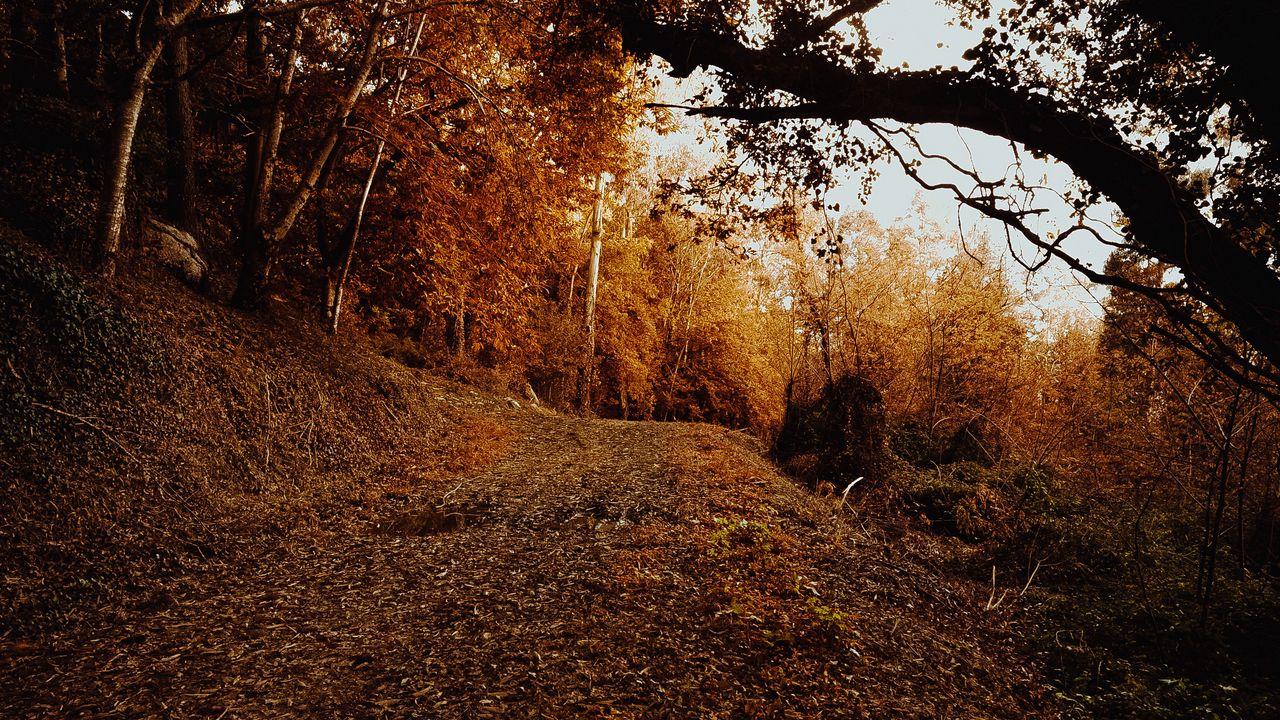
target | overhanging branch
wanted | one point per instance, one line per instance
(821, 26)
(1163, 218)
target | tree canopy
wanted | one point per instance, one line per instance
(1163, 111)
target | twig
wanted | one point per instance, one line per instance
(446, 495)
(844, 496)
(88, 422)
(992, 602)
(1029, 578)
(266, 441)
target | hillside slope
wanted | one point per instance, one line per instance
(230, 516)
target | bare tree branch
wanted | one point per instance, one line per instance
(1163, 217)
(821, 26)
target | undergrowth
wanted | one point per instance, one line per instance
(762, 574)
(58, 340)
(1118, 627)
(50, 178)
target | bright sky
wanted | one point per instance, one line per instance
(922, 34)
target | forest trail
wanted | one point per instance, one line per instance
(595, 569)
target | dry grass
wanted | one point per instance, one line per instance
(245, 430)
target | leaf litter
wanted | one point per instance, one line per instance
(599, 569)
(283, 545)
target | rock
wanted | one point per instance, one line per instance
(179, 251)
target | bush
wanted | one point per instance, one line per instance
(99, 341)
(960, 499)
(912, 442)
(1024, 508)
(49, 180)
(842, 434)
(976, 440)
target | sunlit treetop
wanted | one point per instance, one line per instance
(1162, 108)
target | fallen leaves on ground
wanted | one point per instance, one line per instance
(604, 569)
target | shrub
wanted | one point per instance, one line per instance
(961, 499)
(845, 429)
(912, 442)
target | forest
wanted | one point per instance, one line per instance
(222, 217)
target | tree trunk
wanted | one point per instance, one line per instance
(1249, 439)
(335, 285)
(339, 255)
(303, 194)
(587, 373)
(336, 274)
(255, 261)
(181, 162)
(573, 281)
(261, 151)
(326, 245)
(275, 126)
(37, 47)
(1213, 521)
(99, 77)
(115, 190)
(127, 113)
(23, 59)
(54, 39)
(824, 343)
(255, 270)
(460, 325)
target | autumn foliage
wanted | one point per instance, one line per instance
(429, 176)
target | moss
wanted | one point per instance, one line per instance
(736, 533)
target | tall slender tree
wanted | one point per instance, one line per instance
(156, 25)
(586, 376)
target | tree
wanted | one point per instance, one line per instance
(180, 119)
(587, 370)
(155, 30)
(261, 235)
(337, 270)
(36, 49)
(506, 120)
(630, 345)
(928, 319)
(156, 26)
(786, 69)
(1183, 437)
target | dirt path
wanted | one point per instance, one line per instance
(599, 569)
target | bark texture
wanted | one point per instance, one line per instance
(180, 122)
(125, 127)
(586, 375)
(115, 190)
